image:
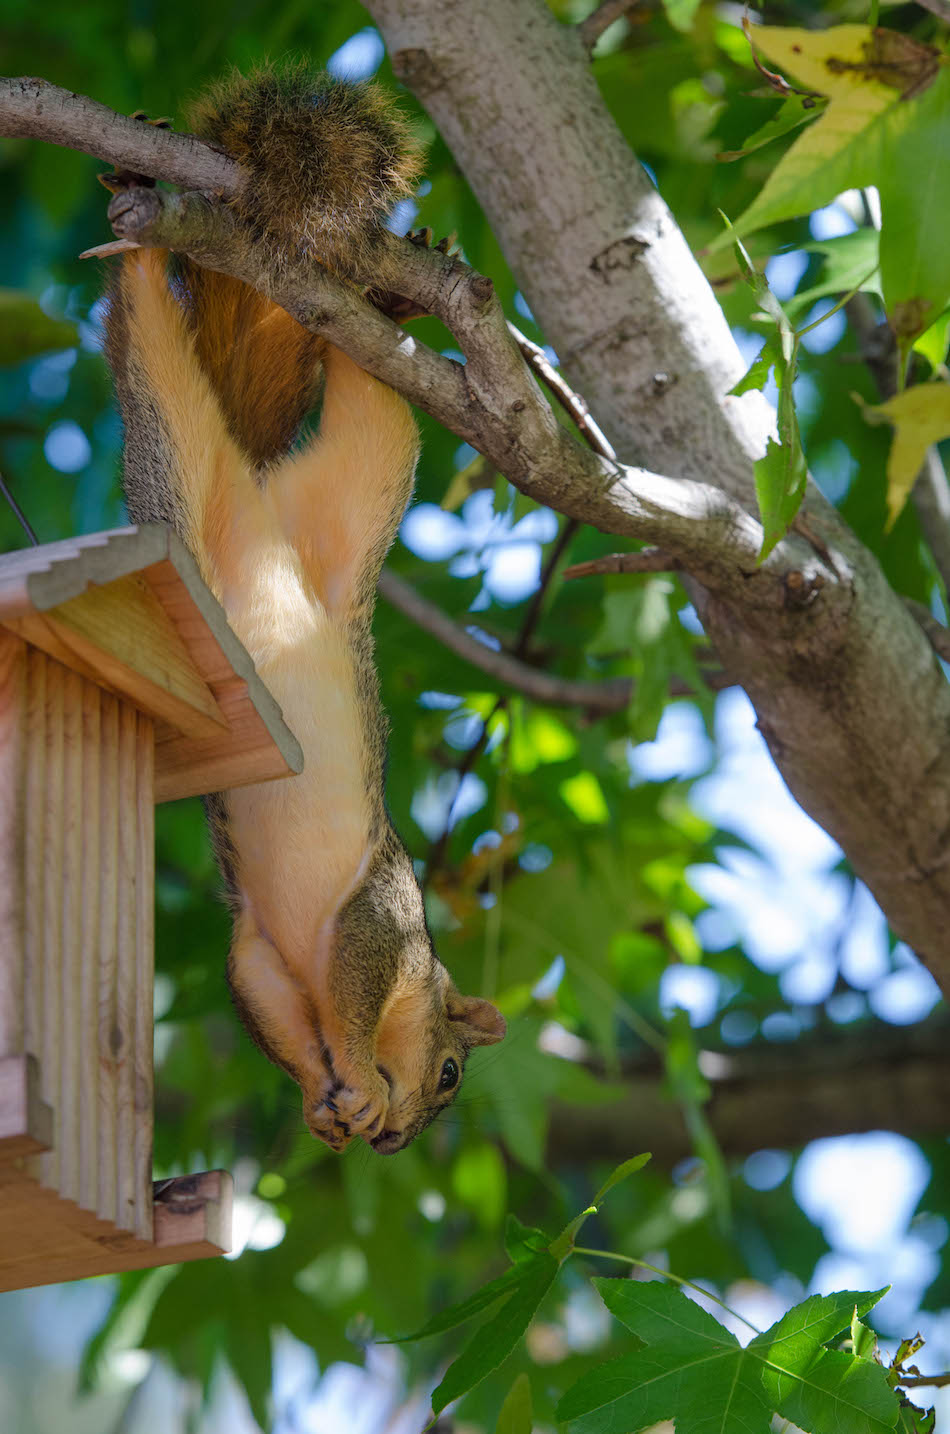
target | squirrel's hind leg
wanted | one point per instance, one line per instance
(341, 499)
(187, 468)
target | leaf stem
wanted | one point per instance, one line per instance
(845, 299)
(667, 1275)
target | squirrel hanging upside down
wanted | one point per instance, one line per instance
(331, 965)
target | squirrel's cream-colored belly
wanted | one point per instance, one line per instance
(304, 840)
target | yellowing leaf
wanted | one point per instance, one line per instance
(823, 160)
(887, 118)
(921, 416)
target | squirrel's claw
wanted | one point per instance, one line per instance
(325, 1123)
(119, 179)
(347, 1110)
(363, 1108)
(394, 306)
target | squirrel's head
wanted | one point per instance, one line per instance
(424, 1040)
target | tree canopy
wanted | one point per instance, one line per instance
(677, 979)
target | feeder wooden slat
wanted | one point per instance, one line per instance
(88, 1060)
(107, 1019)
(45, 886)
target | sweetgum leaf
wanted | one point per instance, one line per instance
(496, 1338)
(921, 416)
(694, 1371)
(458, 1313)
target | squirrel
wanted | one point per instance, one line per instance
(331, 966)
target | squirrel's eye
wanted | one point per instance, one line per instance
(449, 1076)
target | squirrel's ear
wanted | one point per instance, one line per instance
(484, 1025)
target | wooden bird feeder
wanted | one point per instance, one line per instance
(121, 685)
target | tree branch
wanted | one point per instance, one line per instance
(39, 110)
(601, 698)
(593, 26)
(648, 560)
(774, 1096)
(572, 403)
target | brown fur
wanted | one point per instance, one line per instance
(331, 965)
(326, 160)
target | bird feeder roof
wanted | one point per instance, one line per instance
(129, 610)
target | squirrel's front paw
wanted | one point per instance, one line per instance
(324, 1121)
(361, 1107)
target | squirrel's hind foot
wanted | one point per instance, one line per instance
(394, 306)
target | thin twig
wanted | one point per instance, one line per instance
(571, 402)
(915, 1381)
(600, 698)
(591, 29)
(436, 854)
(19, 513)
(648, 560)
(533, 615)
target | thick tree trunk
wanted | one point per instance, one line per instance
(850, 698)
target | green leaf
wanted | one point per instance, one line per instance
(517, 1415)
(523, 1241)
(26, 331)
(850, 262)
(757, 375)
(494, 1340)
(564, 1244)
(781, 476)
(888, 115)
(794, 111)
(815, 1321)
(464, 1310)
(695, 1372)
(842, 150)
(932, 343)
(915, 210)
(863, 1338)
(819, 1388)
(692, 1371)
(622, 1172)
(780, 479)
(834, 1391)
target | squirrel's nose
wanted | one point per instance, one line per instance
(387, 1142)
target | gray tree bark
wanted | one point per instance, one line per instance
(850, 698)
